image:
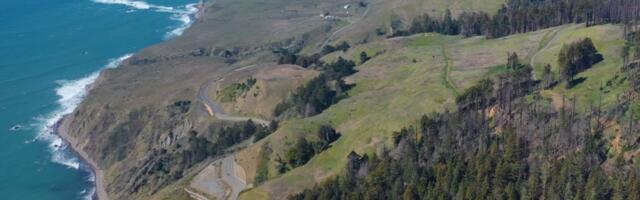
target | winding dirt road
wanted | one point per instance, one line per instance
(326, 42)
(546, 46)
(228, 164)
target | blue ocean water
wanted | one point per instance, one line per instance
(49, 52)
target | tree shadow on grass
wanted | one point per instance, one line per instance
(575, 82)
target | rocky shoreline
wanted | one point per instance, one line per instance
(62, 131)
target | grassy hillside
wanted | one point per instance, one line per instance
(382, 13)
(603, 82)
(417, 75)
(360, 24)
(273, 85)
(125, 122)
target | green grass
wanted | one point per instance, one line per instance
(608, 41)
(474, 57)
(389, 87)
(425, 40)
(445, 73)
(233, 91)
(382, 12)
(391, 91)
(497, 70)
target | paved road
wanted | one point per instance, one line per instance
(228, 163)
(195, 195)
(217, 110)
(229, 177)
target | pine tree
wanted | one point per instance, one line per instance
(512, 62)
(620, 191)
(596, 188)
(547, 76)
(565, 61)
(363, 57)
(533, 185)
(409, 193)
(633, 185)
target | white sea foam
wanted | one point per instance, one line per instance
(88, 195)
(135, 4)
(186, 17)
(70, 93)
(185, 14)
(140, 5)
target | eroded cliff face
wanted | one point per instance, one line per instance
(135, 120)
(127, 144)
(139, 120)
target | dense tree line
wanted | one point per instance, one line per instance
(273, 126)
(523, 148)
(577, 57)
(446, 25)
(343, 46)
(200, 148)
(519, 16)
(631, 57)
(287, 57)
(516, 82)
(319, 93)
(303, 150)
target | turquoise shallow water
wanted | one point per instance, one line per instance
(49, 51)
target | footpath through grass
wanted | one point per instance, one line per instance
(445, 73)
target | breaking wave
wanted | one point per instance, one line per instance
(71, 94)
(186, 18)
(89, 194)
(185, 14)
(140, 5)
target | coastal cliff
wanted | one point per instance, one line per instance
(121, 131)
(136, 125)
(265, 99)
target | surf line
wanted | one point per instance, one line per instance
(186, 14)
(72, 92)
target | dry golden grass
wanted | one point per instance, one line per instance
(274, 83)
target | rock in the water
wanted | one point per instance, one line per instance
(16, 127)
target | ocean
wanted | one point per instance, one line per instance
(50, 51)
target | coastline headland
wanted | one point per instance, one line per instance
(150, 103)
(61, 127)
